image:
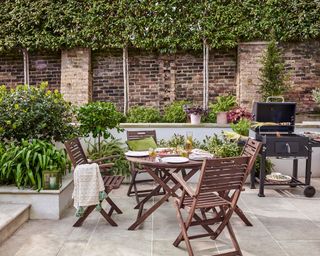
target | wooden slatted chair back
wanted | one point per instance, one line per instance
(75, 152)
(222, 174)
(137, 135)
(251, 149)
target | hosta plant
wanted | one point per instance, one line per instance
(23, 164)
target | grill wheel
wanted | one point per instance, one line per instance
(309, 191)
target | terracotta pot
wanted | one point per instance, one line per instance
(195, 119)
(222, 118)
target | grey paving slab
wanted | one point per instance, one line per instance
(285, 224)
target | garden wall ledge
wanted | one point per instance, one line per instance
(308, 125)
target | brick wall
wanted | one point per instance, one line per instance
(11, 69)
(303, 65)
(302, 61)
(107, 77)
(45, 66)
(158, 79)
(76, 80)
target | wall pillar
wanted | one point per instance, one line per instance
(76, 78)
(249, 59)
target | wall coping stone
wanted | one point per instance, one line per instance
(203, 125)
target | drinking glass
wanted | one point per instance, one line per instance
(152, 153)
(189, 141)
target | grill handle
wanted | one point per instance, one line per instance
(288, 148)
(269, 99)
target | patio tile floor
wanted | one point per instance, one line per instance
(285, 223)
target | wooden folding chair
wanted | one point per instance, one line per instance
(135, 170)
(218, 177)
(111, 182)
(251, 149)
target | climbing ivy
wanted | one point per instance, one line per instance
(167, 26)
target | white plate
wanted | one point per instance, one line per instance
(137, 153)
(175, 160)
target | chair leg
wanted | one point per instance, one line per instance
(183, 230)
(108, 218)
(233, 239)
(86, 213)
(243, 217)
(113, 206)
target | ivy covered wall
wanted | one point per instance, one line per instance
(167, 26)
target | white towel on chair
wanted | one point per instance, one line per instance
(87, 185)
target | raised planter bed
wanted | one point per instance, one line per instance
(46, 204)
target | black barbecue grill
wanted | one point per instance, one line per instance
(275, 129)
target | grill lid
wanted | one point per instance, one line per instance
(280, 114)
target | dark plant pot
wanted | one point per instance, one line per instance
(222, 118)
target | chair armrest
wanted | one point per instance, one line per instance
(183, 183)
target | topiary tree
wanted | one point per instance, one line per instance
(98, 118)
(273, 75)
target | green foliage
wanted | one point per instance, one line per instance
(273, 77)
(222, 104)
(109, 148)
(177, 140)
(316, 95)
(23, 164)
(98, 118)
(35, 112)
(174, 113)
(242, 127)
(220, 147)
(269, 166)
(167, 26)
(141, 114)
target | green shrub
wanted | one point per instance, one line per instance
(174, 113)
(141, 114)
(34, 113)
(242, 127)
(98, 118)
(220, 147)
(108, 148)
(222, 104)
(23, 164)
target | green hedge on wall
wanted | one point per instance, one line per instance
(167, 26)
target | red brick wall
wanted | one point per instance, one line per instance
(45, 66)
(11, 69)
(107, 76)
(42, 67)
(303, 65)
(158, 79)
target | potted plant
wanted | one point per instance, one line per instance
(222, 106)
(316, 96)
(195, 113)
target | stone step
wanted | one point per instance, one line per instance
(12, 216)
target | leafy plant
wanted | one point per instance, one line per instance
(23, 164)
(268, 165)
(242, 127)
(238, 113)
(177, 140)
(174, 113)
(99, 118)
(141, 114)
(34, 113)
(273, 76)
(196, 110)
(316, 95)
(223, 104)
(220, 147)
(109, 148)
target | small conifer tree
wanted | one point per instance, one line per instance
(273, 76)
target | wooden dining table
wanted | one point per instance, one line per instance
(166, 182)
